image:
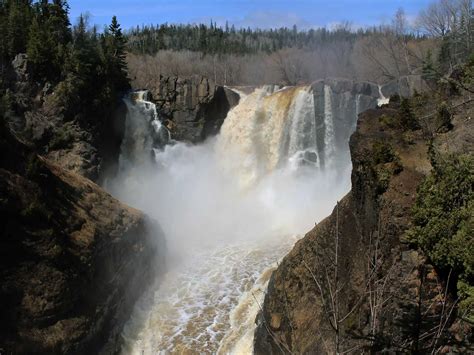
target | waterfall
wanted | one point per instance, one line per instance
(230, 209)
(382, 100)
(302, 135)
(270, 130)
(329, 133)
(144, 131)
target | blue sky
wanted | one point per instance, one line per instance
(253, 13)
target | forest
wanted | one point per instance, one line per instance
(88, 67)
(440, 37)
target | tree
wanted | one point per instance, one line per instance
(19, 17)
(115, 57)
(39, 49)
(48, 36)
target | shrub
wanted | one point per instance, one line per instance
(382, 153)
(407, 117)
(444, 118)
(443, 218)
(386, 164)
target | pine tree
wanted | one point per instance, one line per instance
(39, 50)
(115, 58)
(429, 71)
(407, 117)
(19, 18)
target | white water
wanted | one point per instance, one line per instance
(382, 100)
(143, 131)
(230, 209)
(329, 138)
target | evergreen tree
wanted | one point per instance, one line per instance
(39, 49)
(114, 56)
(19, 18)
(48, 36)
(407, 117)
(429, 73)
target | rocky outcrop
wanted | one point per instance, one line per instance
(352, 284)
(73, 259)
(194, 108)
(84, 145)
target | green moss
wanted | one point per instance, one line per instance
(408, 138)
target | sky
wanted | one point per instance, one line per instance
(304, 14)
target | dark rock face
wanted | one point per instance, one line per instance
(381, 294)
(87, 147)
(73, 260)
(192, 109)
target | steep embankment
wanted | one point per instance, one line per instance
(352, 283)
(73, 259)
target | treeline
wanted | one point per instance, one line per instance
(440, 39)
(87, 68)
(212, 39)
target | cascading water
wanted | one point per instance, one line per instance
(382, 100)
(143, 130)
(329, 138)
(230, 209)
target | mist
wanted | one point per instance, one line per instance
(229, 208)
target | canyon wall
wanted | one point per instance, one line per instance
(193, 108)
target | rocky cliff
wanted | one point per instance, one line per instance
(352, 284)
(58, 129)
(73, 259)
(193, 108)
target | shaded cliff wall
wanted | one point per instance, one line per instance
(194, 108)
(73, 259)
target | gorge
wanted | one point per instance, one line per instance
(182, 188)
(232, 206)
